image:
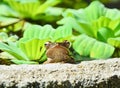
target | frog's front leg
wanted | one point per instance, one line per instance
(49, 60)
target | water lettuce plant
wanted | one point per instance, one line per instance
(18, 12)
(97, 30)
(30, 48)
(32, 9)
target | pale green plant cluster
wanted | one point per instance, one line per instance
(97, 30)
(94, 32)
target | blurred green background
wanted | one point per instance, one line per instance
(76, 4)
(14, 14)
(83, 3)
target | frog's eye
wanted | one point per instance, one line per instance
(47, 44)
(66, 44)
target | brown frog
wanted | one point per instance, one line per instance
(58, 52)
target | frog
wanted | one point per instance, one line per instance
(58, 52)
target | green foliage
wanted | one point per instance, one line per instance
(5, 38)
(48, 32)
(12, 49)
(86, 46)
(25, 8)
(30, 48)
(101, 26)
(114, 41)
(36, 31)
(6, 21)
(7, 11)
(26, 50)
(94, 31)
(15, 14)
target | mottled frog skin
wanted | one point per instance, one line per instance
(58, 52)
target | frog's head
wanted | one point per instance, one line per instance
(50, 44)
(65, 44)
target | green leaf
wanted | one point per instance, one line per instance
(104, 34)
(26, 1)
(72, 23)
(87, 28)
(34, 48)
(82, 46)
(5, 10)
(23, 62)
(54, 11)
(88, 46)
(45, 5)
(4, 21)
(101, 22)
(106, 22)
(117, 33)
(116, 27)
(26, 8)
(62, 32)
(43, 58)
(36, 31)
(101, 50)
(94, 11)
(3, 36)
(113, 14)
(91, 19)
(114, 42)
(47, 32)
(13, 50)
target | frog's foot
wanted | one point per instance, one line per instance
(49, 60)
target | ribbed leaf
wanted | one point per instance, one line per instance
(62, 32)
(36, 31)
(23, 62)
(82, 45)
(4, 21)
(47, 4)
(104, 34)
(113, 14)
(101, 50)
(92, 19)
(117, 33)
(88, 46)
(88, 29)
(26, 8)
(94, 11)
(47, 32)
(34, 48)
(114, 42)
(106, 22)
(13, 50)
(117, 27)
(101, 22)
(72, 23)
(54, 11)
(5, 10)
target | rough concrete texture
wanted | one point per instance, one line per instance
(87, 74)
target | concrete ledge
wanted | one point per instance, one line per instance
(87, 74)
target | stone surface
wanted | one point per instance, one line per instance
(87, 74)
